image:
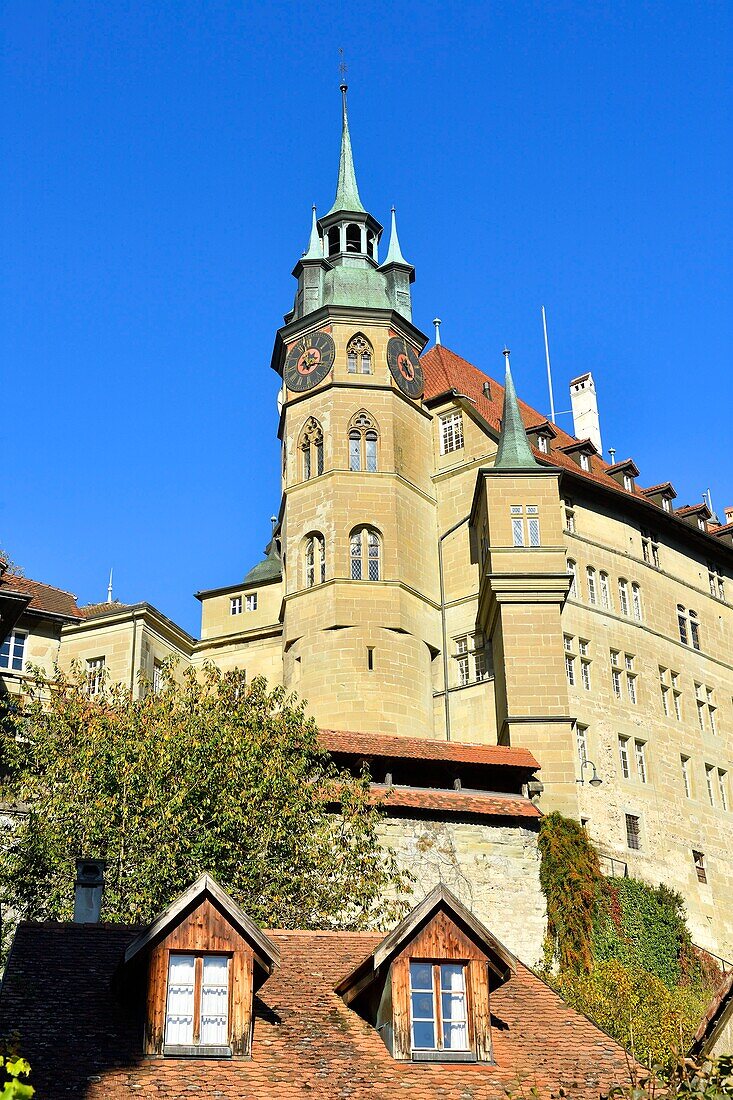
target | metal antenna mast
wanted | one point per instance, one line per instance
(549, 369)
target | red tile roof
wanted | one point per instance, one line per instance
(420, 748)
(90, 610)
(445, 371)
(44, 597)
(482, 803)
(83, 1039)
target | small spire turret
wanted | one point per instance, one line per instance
(315, 248)
(514, 451)
(394, 252)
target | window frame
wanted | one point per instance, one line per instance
(11, 641)
(96, 668)
(367, 541)
(437, 1020)
(451, 432)
(359, 355)
(196, 1047)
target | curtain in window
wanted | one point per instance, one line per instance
(215, 1001)
(179, 1012)
(453, 1006)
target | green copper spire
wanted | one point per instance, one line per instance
(315, 248)
(514, 451)
(347, 193)
(394, 252)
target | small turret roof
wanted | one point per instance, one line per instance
(269, 569)
(514, 451)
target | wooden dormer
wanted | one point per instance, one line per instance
(582, 451)
(625, 473)
(661, 495)
(440, 948)
(205, 961)
(542, 435)
(697, 515)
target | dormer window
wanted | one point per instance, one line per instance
(543, 444)
(628, 483)
(438, 1010)
(624, 473)
(584, 461)
(581, 452)
(197, 1007)
(426, 988)
(205, 960)
(666, 504)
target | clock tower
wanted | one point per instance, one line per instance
(361, 615)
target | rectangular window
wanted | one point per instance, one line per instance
(709, 773)
(12, 651)
(665, 700)
(623, 597)
(616, 682)
(518, 532)
(685, 766)
(605, 591)
(640, 752)
(451, 432)
(197, 1006)
(677, 705)
(633, 832)
(623, 753)
(533, 530)
(95, 675)
(581, 734)
(479, 659)
(250, 602)
(631, 688)
(573, 579)
(157, 676)
(570, 669)
(464, 675)
(636, 602)
(585, 674)
(699, 859)
(235, 605)
(569, 519)
(438, 1006)
(722, 785)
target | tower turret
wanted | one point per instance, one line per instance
(399, 274)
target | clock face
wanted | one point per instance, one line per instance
(405, 367)
(309, 361)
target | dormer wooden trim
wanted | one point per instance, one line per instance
(659, 494)
(438, 931)
(581, 452)
(268, 955)
(620, 471)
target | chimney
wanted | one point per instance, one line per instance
(3, 565)
(88, 890)
(584, 404)
(728, 515)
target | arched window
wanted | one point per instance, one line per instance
(334, 240)
(359, 355)
(605, 592)
(366, 554)
(371, 244)
(636, 602)
(592, 592)
(573, 572)
(311, 448)
(353, 238)
(623, 596)
(363, 443)
(315, 559)
(689, 626)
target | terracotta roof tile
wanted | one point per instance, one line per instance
(91, 610)
(716, 1008)
(444, 371)
(60, 994)
(44, 597)
(419, 748)
(482, 803)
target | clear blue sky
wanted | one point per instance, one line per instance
(159, 163)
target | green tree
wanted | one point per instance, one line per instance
(213, 775)
(11, 1068)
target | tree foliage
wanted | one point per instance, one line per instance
(12, 1069)
(214, 775)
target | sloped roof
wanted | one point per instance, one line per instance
(91, 610)
(473, 803)
(720, 1007)
(60, 994)
(445, 371)
(423, 748)
(44, 597)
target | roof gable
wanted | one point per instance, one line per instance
(266, 953)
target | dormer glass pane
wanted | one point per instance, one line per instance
(422, 1003)
(214, 1001)
(179, 1010)
(453, 1006)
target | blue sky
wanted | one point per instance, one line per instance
(159, 163)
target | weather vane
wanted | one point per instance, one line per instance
(342, 68)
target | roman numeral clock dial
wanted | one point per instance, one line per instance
(309, 361)
(404, 367)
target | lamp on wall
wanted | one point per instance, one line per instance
(595, 780)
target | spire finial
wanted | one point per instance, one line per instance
(109, 588)
(347, 192)
(315, 248)
(514, 451)
(437, 322)
(394, 252)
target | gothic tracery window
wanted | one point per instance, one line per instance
(311, 447)
(359, 355)
(315, 560)
(363, 442)
(366, 554)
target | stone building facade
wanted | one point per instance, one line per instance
(447, 565)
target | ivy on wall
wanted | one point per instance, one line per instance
(619, 950)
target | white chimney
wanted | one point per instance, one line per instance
(584, 404)
(88, 890)
(728, 515)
